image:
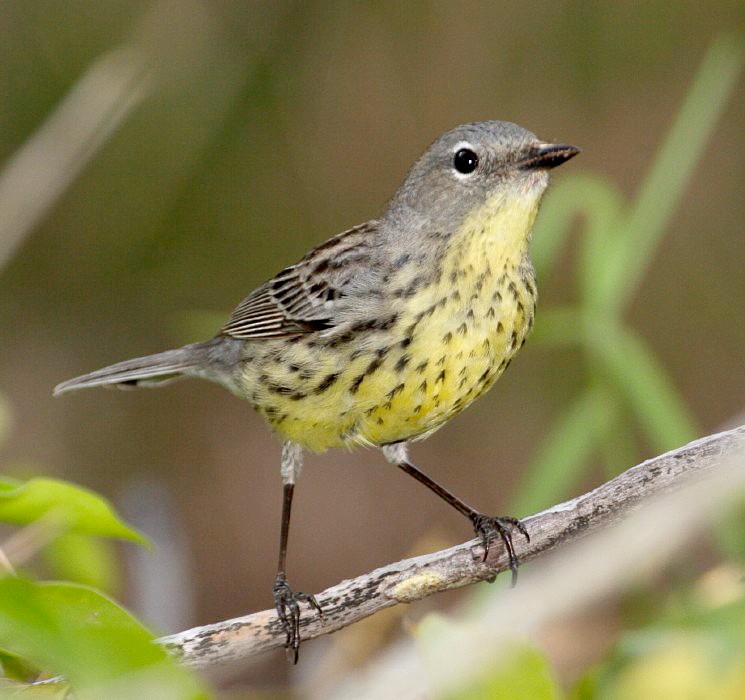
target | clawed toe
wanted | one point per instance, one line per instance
(487, 528)
(287, 603)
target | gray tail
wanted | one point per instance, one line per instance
(141, 371)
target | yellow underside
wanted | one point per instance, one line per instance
(402, 384)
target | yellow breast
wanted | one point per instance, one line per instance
(469, 326)
(447, 344)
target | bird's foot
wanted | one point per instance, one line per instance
(287, 603)
(487, 528)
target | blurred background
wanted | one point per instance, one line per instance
(161, 159)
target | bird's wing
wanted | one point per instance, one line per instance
(309, 295)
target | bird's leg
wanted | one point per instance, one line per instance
(485, 526)
(287, 601)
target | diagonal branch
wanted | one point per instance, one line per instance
(413, 579)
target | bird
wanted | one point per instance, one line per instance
(381, 334)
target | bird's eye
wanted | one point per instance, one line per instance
(465, 161)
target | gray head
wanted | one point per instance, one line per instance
(468, 164)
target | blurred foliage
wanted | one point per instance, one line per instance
(691, 646)
(523, 673)
(83, 559)
(65, 628)
(694, 649)
(63, 506)
(69, 629)
(95, 644)
(624, 380)
(730, 532)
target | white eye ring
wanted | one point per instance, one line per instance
(465, 160)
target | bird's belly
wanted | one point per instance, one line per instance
(392, 384)
(455, 358)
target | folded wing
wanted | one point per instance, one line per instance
(310, 295)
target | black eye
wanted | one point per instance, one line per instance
(465, 161)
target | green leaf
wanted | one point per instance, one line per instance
(83, 559)
(15, 668)
(74, 631)
(76, 509)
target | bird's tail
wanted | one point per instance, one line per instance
(142, 371)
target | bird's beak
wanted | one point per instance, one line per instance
(546, 156)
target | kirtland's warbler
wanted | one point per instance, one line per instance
(382, 333)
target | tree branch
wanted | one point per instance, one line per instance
(413, 579)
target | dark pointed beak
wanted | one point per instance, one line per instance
(547, 155)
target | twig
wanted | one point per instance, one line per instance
(413, 579)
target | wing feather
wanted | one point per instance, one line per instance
(309, 295)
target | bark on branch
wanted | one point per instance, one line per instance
(413, 579)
